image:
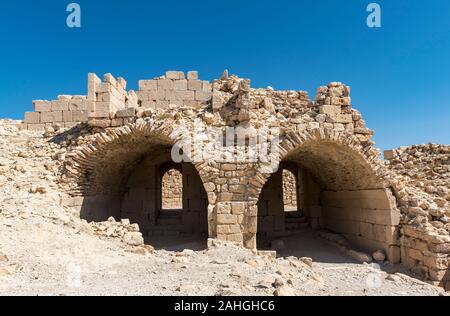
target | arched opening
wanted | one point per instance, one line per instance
(337, 191)
(172, 190)
(134, 177)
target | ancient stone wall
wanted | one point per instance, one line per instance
(367, 218)
(172, 190)
(67, 112)
(289, 191)
(424, 240)
(174, 89)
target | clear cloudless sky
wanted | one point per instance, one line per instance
(399, 73)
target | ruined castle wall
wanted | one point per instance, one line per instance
(174, 89)
(367, 218)
(425, 243)
(67, 111)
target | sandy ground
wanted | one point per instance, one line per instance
(60, 260)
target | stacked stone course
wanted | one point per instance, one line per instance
(67, 111)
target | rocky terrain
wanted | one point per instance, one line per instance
(46, 250)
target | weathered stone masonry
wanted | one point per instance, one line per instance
(343, 186)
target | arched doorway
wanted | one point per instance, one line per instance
(337, 191)
(132, 176)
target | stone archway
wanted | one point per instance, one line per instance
(119, 173)
(343, 188)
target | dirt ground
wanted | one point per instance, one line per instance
(53, 259)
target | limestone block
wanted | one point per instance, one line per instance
(145, 85)
(102, 123)
(225, 196)
(102, 109)
(128, 112)
(235, 229)
(172, 95)
(414, 254)
(237, 238)
(203, 95)
(93, 81)
(340, 118)
(67, 116)
(207, 86)
(342, 101)
(165, 84)
(237, 188)
(226, 219)
(238, 208)
(192, 75)
(330, 109)
(252, 225)
(32, 117)
(195, 85)
(152, 95)
(184, 95)
(42, 106)
(387, 217)
(117, 122)
(386, 234)
(174, 75)
(104, 87)
(78, 105)
(60, 105)
(51, 117)
(367, 230)
(90, 106)
(35, 127)
(363, 131)
(80, 116)
(223, 229)
(180, 84)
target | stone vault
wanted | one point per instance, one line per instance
(342, 184)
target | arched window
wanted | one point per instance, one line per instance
(172, 190)
(290, 199)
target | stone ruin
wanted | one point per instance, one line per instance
(120, 163)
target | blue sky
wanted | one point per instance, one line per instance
(399, 73)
